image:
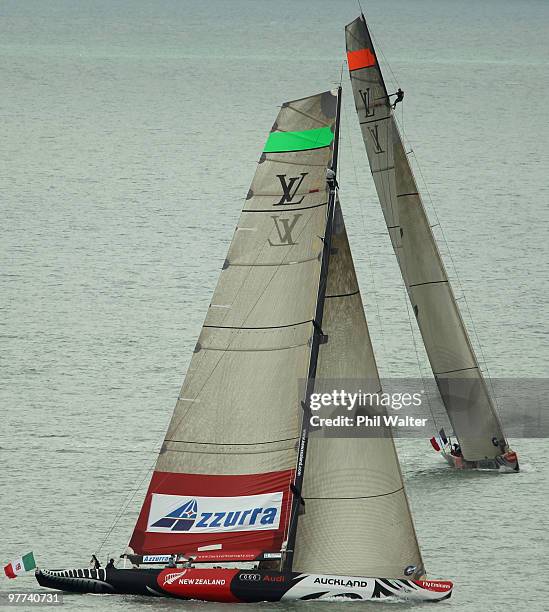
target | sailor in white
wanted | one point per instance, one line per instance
(331, 179)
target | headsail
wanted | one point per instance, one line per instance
(356, 519)
(463, 389)
(222, 480)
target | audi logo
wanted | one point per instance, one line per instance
(250, 577)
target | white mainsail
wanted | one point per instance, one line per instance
(462, 386)
(236, 425)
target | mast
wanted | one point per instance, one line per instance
(461, 384)
(317, 338)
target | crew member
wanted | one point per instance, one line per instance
(399, 97)
(331, 179)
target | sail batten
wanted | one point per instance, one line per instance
(467, 400)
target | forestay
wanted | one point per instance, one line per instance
(463, 389)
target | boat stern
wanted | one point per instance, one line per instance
(75, 580)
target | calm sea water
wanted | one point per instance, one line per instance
(130, 134)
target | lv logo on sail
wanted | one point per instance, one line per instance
(289, 188)
(284, 229)
(369, 110)
(375, 135)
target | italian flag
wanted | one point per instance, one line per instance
(20, 566)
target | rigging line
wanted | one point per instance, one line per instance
(118, 516)
(393, 201)
(387, 197)
(361, 210)
(405, 263)
(390, 166)
(415, 343)
(380, 74)
(457, 277)
(385, 60)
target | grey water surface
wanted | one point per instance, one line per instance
(130, 132)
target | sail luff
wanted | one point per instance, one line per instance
(316, 340)
(462, 386)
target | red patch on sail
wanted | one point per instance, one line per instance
(363, 58)
(240, 515)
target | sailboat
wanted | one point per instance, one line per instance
(255, 504)
(469, 404)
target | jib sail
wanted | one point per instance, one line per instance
(222, 479)
(462, 387)
(356, 519)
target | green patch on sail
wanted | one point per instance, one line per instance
(279, 142)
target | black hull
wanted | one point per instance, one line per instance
(244, 586)
(114, 581)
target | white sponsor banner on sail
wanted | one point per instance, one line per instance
(186, 514)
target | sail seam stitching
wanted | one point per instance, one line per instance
(458, 370)
(428, 283)
(266, 327)
(231, 443)
(271, 210)
(254, 349)
(374, 120)
(296, 150)
(277, 264)
(343, 294)
(359, 497)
